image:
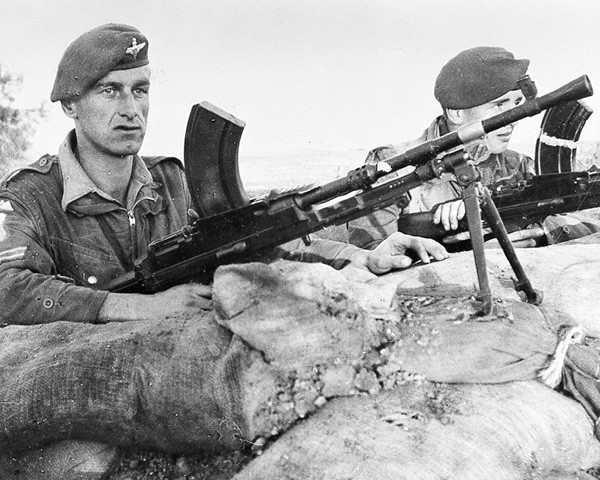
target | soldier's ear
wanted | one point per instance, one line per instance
(69, 108)
(454, 116)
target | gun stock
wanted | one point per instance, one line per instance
(235, 230)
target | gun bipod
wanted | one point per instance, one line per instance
(522, 283)
(478, 200)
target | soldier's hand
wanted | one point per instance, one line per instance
(448, 214)
(400, 251)
(462, 236)
(180, 301)
(528, 238)
(186, 298)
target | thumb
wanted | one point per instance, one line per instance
(390, 262)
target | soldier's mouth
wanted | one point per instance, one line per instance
(127, 128)
(504, 136)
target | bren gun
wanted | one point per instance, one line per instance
(236, 229)
(556, 188)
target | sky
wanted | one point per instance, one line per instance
(304, 75)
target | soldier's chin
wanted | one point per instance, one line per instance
(130, 149)
(497, 146)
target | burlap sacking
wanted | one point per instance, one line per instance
(156, 385)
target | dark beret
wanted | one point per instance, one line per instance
(96, 53)
(477, 76)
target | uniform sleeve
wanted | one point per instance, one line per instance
(321, 250)
(571, 226)
(369, 231)
(427, 196)
(32, 292)
(527, 167)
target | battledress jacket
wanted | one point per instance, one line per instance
(370, 230)
(60, 234)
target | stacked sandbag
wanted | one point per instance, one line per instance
(286, 342)
(430, 431)
(297, 318)
(566, 274)
(65, 460)
(397, 422)
(176, 385)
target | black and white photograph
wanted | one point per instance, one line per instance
(299, 239)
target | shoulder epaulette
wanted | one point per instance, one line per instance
(42, 165)
(153, 161)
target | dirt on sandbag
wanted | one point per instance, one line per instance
(565, 274)
(293, 339)
(445, 339)
(319, 331)
(391, 423)
(425, 430)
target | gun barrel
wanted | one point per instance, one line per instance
(364, 176)
(575, 90)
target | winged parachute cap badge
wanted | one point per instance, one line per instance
(135, 48)
(109, 47)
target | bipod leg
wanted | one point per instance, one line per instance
(522, 284)
(471, 200)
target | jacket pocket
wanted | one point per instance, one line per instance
(87, 266)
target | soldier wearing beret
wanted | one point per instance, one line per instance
(80, 218)
(475, 84)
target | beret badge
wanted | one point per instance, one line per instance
(135, 48)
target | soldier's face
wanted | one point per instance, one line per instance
(497, 140)
(111, 117)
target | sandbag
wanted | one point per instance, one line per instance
(428, 431)
(295, 315)
(581, 378)
(66, 460)
(176, 385)
(566, 274)
(322, 320)
(571, 226)
(285, 341)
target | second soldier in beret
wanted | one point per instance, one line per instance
(475, 84)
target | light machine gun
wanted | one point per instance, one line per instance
(235, 229)
(556, 189)
(521, 205)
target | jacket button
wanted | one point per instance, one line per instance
(48, 303)
(43, 162)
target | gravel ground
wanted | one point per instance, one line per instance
(159, 466)
(150, 466)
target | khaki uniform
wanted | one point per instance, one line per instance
(55, 241)
(60, 234)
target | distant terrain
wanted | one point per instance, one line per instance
(304, 167)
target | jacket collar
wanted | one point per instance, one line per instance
(82, 195)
